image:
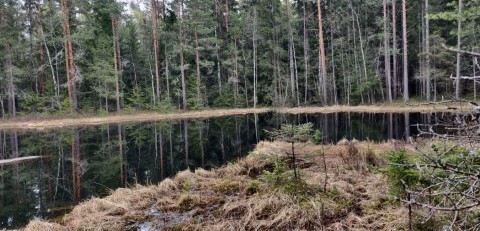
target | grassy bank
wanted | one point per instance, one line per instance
(339, 192)
(43, 122)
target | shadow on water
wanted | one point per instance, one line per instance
(82, 162)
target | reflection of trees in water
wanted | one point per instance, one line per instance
(87, 161)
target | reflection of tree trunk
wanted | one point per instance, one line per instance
(256, 127)
(109, 144)
(390, 125)
(123, 166)
(201, 146)
(407, 125)
(325, 128)
(171, 150)
(160, 139)
(185, 133)
(14, 144)
(222, 145)
(76, 170)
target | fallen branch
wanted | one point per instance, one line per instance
(18, 160)
(459, 50)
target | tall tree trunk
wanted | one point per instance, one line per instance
(197, 64)
(388, 77)
(43, 78)
(427, 50)
(219, 69)
(116, 57)
(70, 68)
(182, 65)
(305, 50)
(11, 87)
(323, 69)
(167, 73)
(235, 70)
(394, 49)
(154, 15)
(459, 42)
(405, 50)
(254, 40)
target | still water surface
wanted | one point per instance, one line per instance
(80, 162)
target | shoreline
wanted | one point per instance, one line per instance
(80, 120)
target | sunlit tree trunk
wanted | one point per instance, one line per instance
(70, 68)
(322, 61)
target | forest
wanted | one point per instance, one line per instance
(101, 56)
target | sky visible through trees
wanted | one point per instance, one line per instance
(104, 56)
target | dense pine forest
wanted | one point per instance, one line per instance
(61, 56)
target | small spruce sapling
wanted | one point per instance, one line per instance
(292, 134)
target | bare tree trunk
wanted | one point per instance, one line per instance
(54, 77)
(405, 50)
(305, 51)
(182, 65)
(197, 62)
(459, 40)
(11, 87)
(427, 51)
(323, 65)
(155, 47)
(116, 59)
(235, 71)
(167, 72)
(219, 74)
(388, 77)
(254, 38)
(394, 49)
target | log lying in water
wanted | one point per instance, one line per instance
(18, 160)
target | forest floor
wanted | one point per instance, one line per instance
(80, 119)
(338, 190)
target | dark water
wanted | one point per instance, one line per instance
(82, 162)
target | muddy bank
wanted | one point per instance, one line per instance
(340, 192)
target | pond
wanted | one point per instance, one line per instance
(80, 162)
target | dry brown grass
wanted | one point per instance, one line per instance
(220, 199)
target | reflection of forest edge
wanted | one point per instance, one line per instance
(91, 161)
